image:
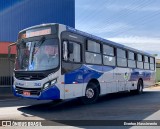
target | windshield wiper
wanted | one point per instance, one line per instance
(41, 41)
(39, 44)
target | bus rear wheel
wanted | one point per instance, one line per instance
(91, 94)
(139, 89)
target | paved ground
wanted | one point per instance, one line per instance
(5, 92)
(122, 106)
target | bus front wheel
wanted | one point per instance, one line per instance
(91, 94)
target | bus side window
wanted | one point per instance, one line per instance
(139, 61)
(93, 52)
(71, 51)
(121, 57)
(75, 55)
(152, 63)
(109, 55)
(146, 62)
(131, 60)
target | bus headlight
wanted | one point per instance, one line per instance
(53, 81)
(50, 83)
(46, 85)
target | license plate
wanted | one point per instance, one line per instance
(26, 93)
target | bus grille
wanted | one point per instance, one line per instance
(29, 76)
(33, 91)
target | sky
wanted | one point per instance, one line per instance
(134, 23)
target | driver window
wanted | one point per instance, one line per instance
(75, 56)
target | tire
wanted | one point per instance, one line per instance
(139, 89)
(57, 101)
(91, 94)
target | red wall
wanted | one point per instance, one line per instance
(4, 48)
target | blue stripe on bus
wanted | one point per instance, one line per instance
(88, 72)
(136, 74)
(85, 73)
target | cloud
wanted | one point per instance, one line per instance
(139, 6)
(115, 7)
(148, 44)
(103, 29)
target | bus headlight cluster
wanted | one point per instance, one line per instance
(49, 84)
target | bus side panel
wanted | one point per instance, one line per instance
(73, 83)
(77, 80)
(104, 75)
(149, 78)
(60, 85)
(108, 83)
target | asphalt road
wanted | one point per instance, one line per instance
(121, 106)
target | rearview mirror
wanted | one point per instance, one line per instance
(9, 51)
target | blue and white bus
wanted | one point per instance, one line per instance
(57, 62)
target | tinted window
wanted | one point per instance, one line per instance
(93, 46)
(131, 56)
(146, 65)
(109, 60)
(93, 58)
(146, 59)
(140, 65)
(122, 62)
(121, 58)
(76, 55)
(131, 63)
(152, 65)
(151, 60)
(131, 60)
(121, 53)
(139, 57)
(108, 50)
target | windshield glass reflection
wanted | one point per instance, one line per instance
(37, 55)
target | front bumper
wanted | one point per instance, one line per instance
(52, 93)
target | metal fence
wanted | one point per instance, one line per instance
(6, 72)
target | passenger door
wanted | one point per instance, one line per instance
(72, 60)
(71, 66)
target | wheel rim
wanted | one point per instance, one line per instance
(89, 93)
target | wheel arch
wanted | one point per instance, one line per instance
(95, 81)
(141, 79)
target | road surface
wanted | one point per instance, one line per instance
(121, 106)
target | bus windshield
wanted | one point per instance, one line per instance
(37, 55)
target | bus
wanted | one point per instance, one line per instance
(58, 62)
